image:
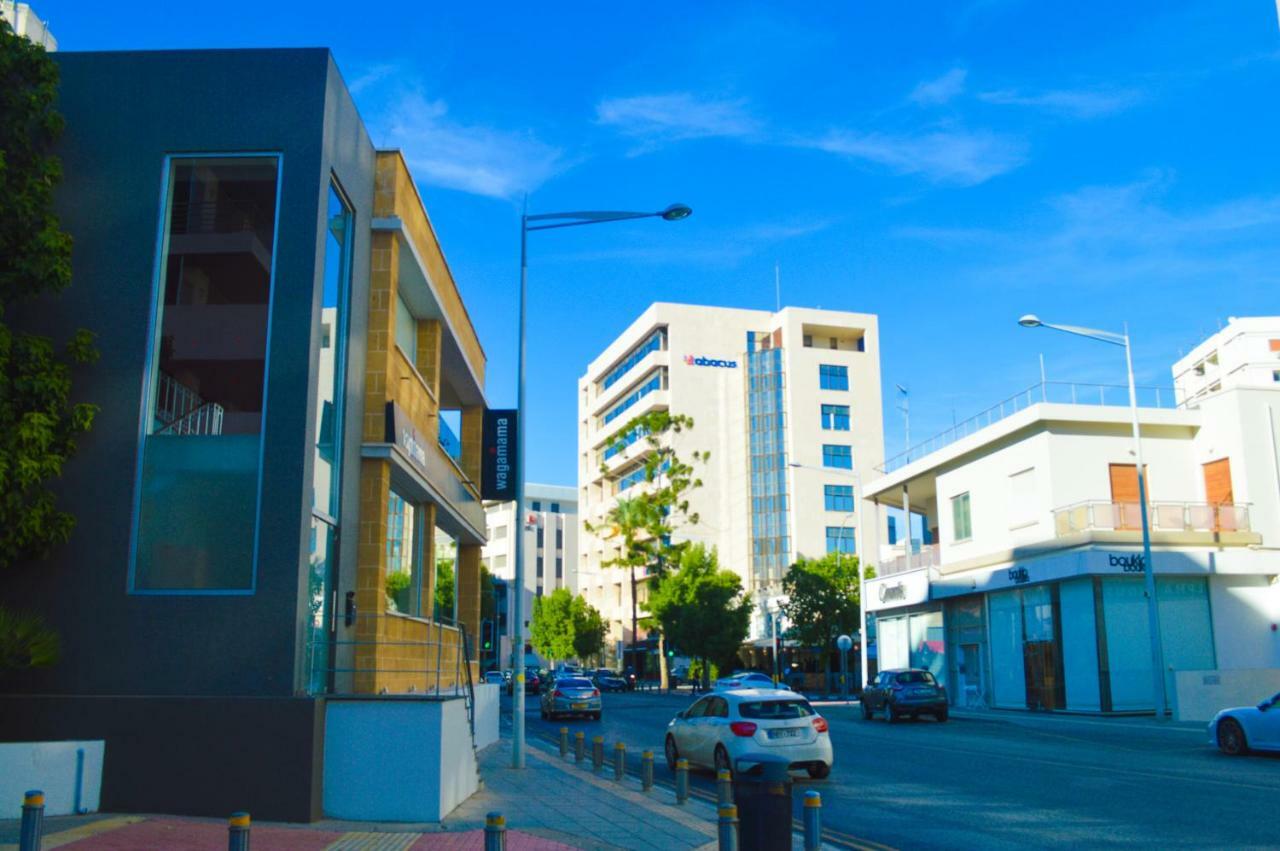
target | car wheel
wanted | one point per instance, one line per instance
(672, 752)
(887, 713)
(941, 715)
(1231, 740)
(722, 760)
(819, 770)
(866, 711)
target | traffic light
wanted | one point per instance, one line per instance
(671, 654)
(486, 634)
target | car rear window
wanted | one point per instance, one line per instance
(574, 683)
(766, 710)
(916, 677)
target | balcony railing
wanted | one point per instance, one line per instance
(1059, 392)
(929, 555)
(1102, 515)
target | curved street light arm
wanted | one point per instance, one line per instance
(1092, 333)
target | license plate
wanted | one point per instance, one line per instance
(785, 733)
(579, 706)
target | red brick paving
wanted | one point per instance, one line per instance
(167, 834)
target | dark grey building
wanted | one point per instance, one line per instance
(220, 203)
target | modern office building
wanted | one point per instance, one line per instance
(246, 601)
(1032, 595)
(550, 549)
(787, 404)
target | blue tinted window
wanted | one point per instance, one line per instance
(655, 343)
(840, 539)
(833, 377)
(654, 383)
(838, 497)
(837, 456)
(835, 417)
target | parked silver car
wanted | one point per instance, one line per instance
(571, 696)
(1247, 728)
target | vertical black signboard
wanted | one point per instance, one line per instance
(498, 459)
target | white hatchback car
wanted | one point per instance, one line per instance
(721, 728)
(1247, 728)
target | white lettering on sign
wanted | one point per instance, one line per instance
(893, 592)
(412, 447)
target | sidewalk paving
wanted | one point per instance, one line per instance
(550, 805)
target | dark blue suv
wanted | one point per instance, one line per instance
(904, 691)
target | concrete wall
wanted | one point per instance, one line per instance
(1246, 612)
(488, 711)
(1202, 694)
(69, 774)
(397, 760)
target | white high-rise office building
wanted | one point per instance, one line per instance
(550, 547)
(788, 405)
(25, 22)
(1245, 353)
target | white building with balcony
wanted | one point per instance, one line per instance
(1031, 593)
(1245, 353)
(788, 405)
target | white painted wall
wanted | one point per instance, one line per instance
(397, 760)
(487, 714)
(1203, 694)
(52, 768)
(1244, 610)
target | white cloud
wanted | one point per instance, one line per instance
(940, 90)
(1127, 236)
(957, 157)
(1076, 103)
(372, 74)
(468, 157)
(677, 116)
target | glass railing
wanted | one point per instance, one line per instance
(1103, 515)
(449, 441)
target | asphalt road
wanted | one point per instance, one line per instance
(1004, 780)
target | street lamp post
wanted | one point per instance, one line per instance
(546, 221)
(1158, 691)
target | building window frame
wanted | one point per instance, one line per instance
(837, 456)
(151, 371)
(841, 539)
(835, 417)
(833, 376)
(837, 497)
(961, 518)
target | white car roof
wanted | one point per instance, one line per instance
(739, 695)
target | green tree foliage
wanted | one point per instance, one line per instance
(702, 609)
(565, 627)
(38, 423)
(444, 587)
(823, 599)
(641, 526)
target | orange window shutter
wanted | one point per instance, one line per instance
(1217, 482)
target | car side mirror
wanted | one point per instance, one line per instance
(1264, 706)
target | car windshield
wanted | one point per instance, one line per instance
(907, 677)
(767, 710)
(574, 682)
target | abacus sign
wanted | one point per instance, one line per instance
(691, 360)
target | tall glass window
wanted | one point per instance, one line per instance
(961, 519)
(766, 421)
(198, 488)
(403, 559)
(325, 479)
(833, 376)
(835, 417)
(834, 455)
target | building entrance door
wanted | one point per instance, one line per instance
(971, 690)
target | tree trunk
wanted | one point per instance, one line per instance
(827, 654)
(663, 682)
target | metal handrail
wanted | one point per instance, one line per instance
(1059, 392)
(928, 555)
(440, 665)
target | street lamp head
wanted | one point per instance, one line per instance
(1030, 321)
(676, 212)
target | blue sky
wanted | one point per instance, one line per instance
(947, 166)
